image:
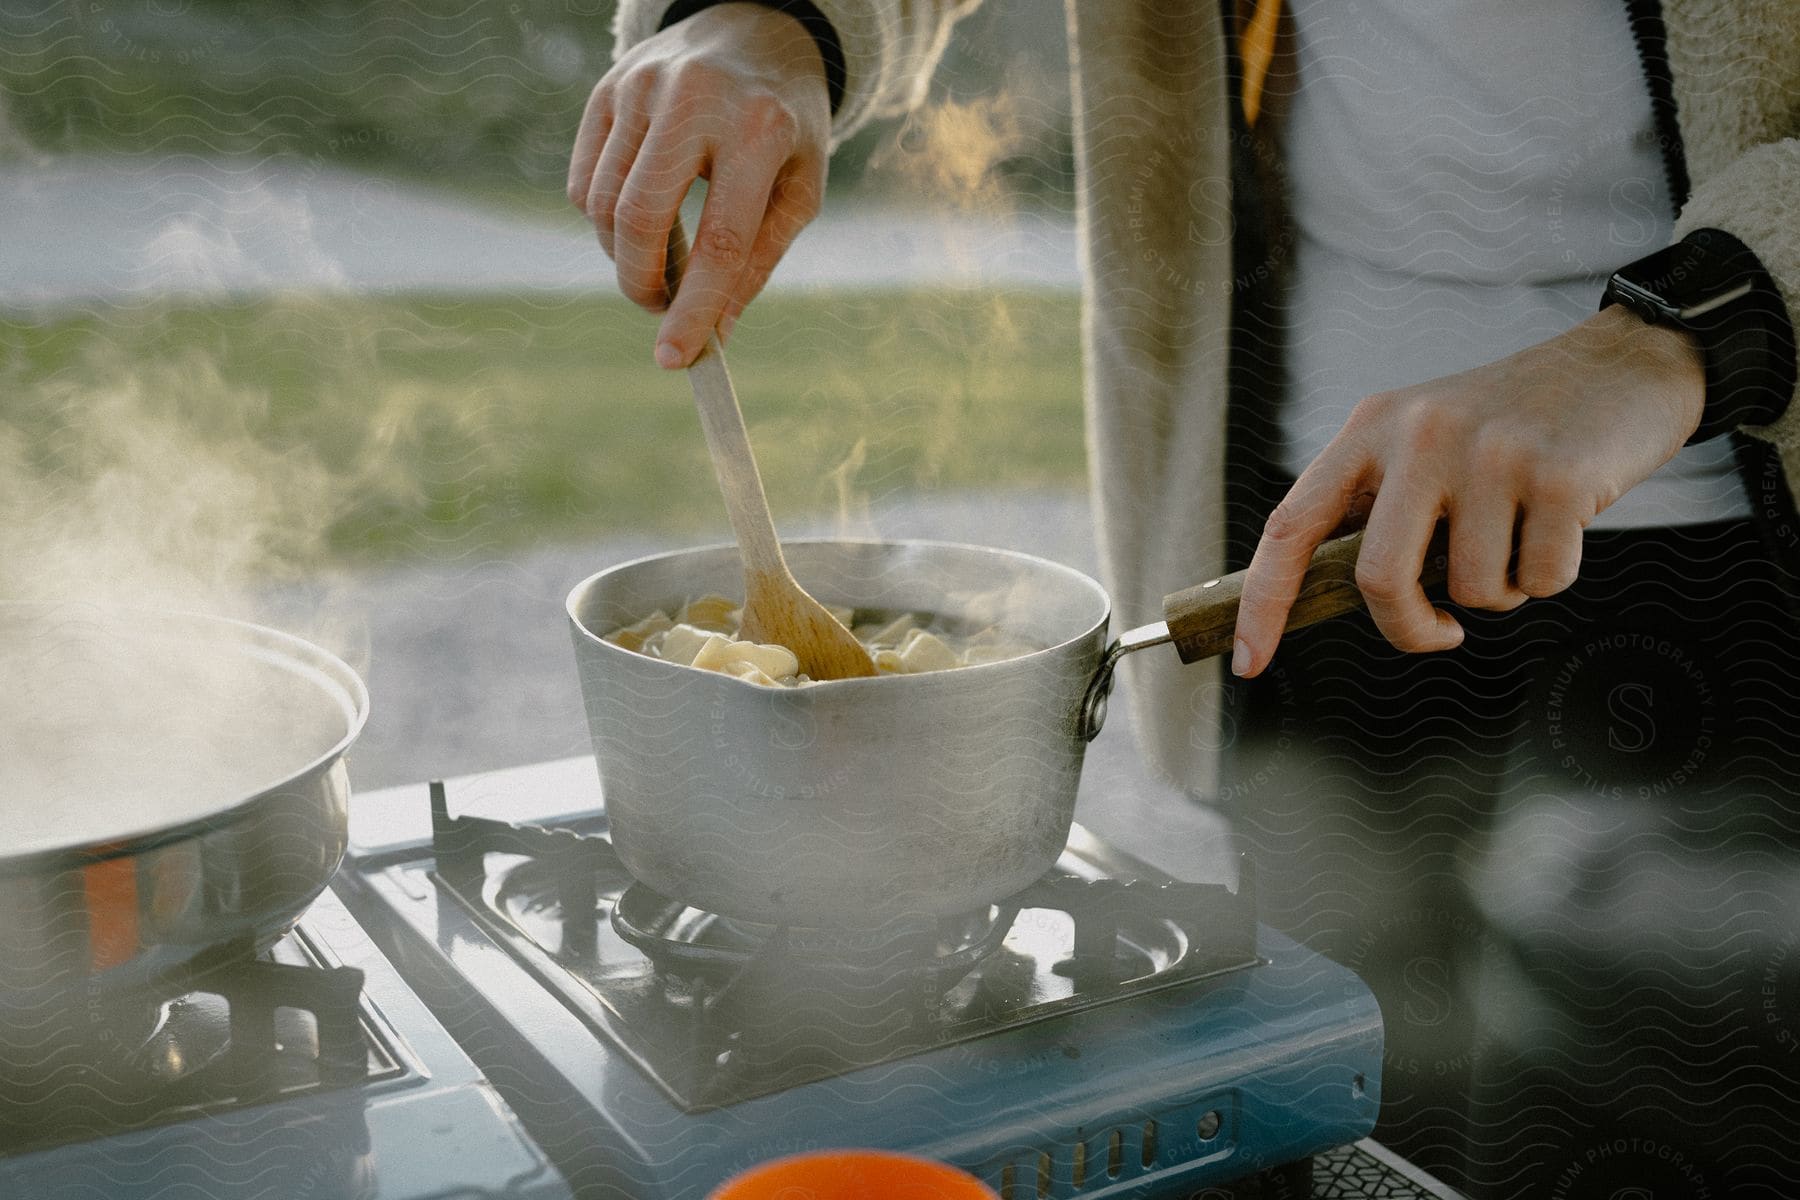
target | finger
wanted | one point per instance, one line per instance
(1483, 527)
(596, 119)
(666, 166)
(614, 167)
(1311, 510)
(1388, 566)
(737, 196)
(1549, 550)
(793, 203)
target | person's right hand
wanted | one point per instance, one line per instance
(734, 94)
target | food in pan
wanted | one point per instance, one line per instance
(703, 633)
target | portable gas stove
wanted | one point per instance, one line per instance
(1107, 1032)
(489, 1007)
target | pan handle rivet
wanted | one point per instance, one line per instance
(1095, 712)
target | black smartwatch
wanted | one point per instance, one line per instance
(1712, 286)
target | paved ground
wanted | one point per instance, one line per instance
(84, 229)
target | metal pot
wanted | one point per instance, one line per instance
(96, 916)
(847, 803)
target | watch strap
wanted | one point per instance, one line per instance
(1713, 286)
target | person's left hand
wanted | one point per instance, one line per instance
(1520, 455)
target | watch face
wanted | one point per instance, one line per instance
(1679, 283)
(1673, 274)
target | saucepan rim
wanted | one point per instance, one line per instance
(579, 593)
(329, 675)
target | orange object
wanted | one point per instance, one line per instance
(112, 907)
(1256, 48)
(853, 1175)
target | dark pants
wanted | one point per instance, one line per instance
(1566, 857)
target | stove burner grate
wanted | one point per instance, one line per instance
(718, 1010)
(232, 1031)
(693, 942)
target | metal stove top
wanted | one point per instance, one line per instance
(1149, 1058)
(717, 1011)
(311, 1072)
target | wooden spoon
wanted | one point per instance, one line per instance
(776, 608)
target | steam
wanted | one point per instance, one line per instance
(205, 253)
(950, 152)
(946, 158)
(130, 489)
(162, 477)
(147, 491)
(853, 517)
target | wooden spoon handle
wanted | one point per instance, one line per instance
(746, 504)
(1202, 619)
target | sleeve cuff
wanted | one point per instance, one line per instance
(1750, 379)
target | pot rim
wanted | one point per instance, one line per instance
(831, 686)
(332, 678)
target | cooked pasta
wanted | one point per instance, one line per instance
(703, 634)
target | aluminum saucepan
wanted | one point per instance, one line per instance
(845, 804)
(118, 893)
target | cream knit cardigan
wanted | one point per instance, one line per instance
(1152, 155)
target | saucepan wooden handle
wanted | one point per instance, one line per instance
(1202, 618)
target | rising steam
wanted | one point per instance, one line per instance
(130, 488)
(949, 158)
(147, 490)
(950, 152)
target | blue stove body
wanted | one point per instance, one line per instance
(1160, 1093)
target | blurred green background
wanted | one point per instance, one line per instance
(455, 424)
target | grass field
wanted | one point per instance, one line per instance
(396, 427)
